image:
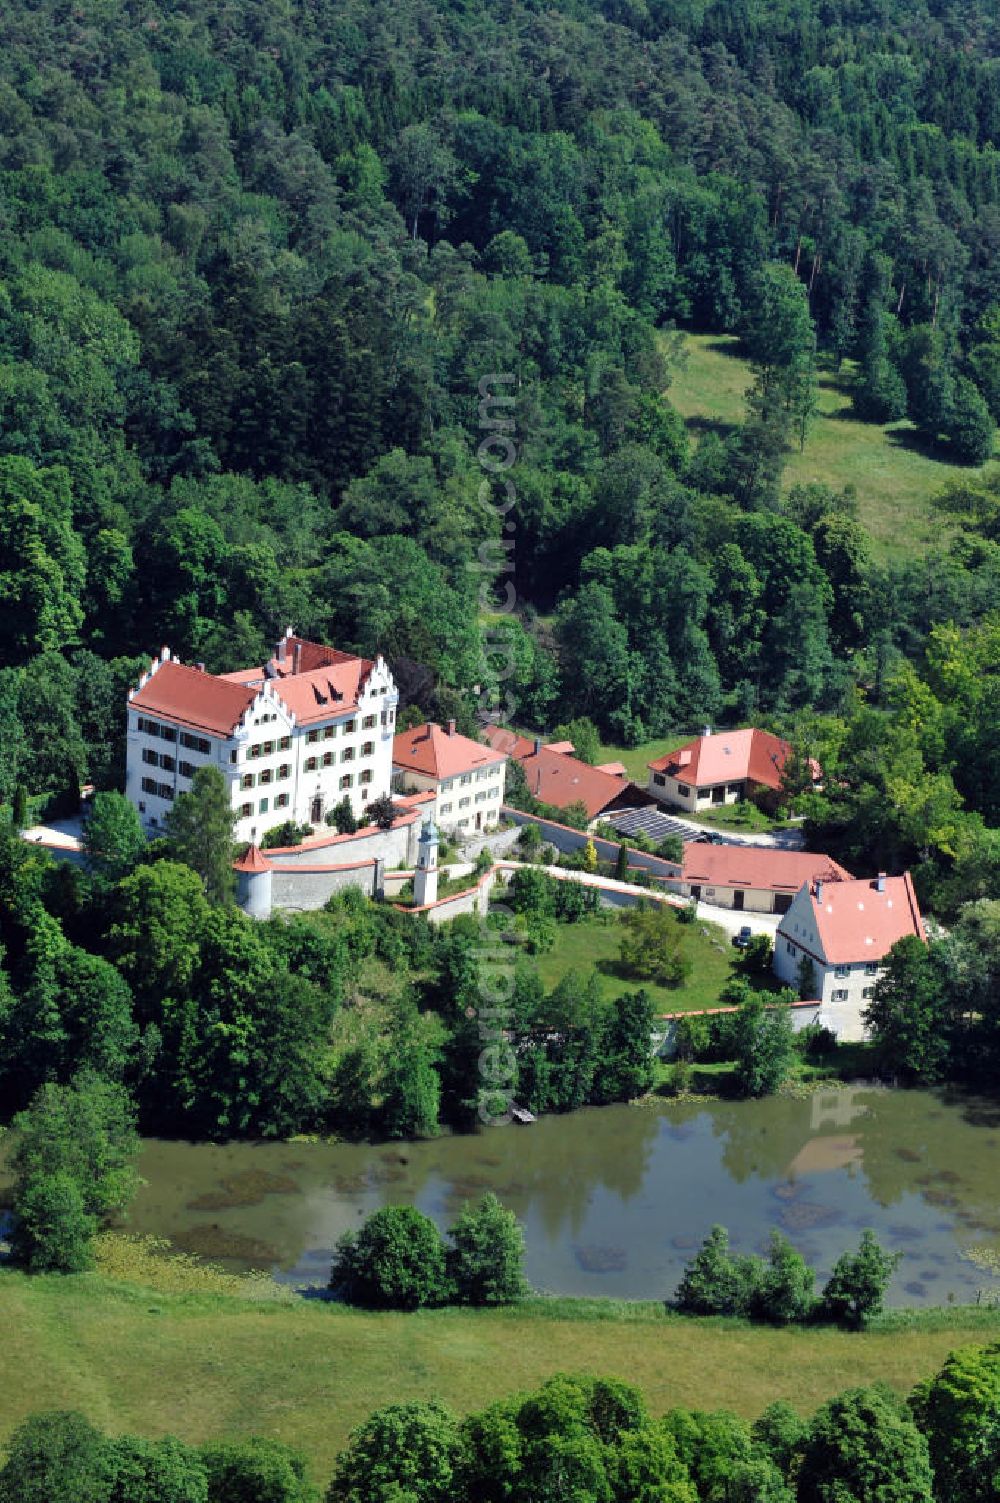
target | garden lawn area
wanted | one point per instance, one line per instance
(636, 758)
(209, 1366)
(594, 944)
(894, 476)
(742, 816)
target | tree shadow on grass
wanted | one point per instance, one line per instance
(918, 443)
(702, 424)
(726, 344)
(616, 972)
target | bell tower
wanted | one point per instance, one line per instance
(425, 878)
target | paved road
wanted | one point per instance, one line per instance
(732, 921)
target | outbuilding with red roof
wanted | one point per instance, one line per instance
(557, 778)
(752, 878)
(720, 768)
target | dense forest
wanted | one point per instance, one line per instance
(263, 266)
(256, 260)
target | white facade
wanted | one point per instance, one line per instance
(463, 804)
(678, 795)
(277, 769)
(843, 989)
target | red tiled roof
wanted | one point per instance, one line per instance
(616, 769)
(253, 861)
(566, 747)
(194, 698)
(756, 866)
(559, 780)
(856, 922)
(727, 757)
(319, 693)
(507, 742)
(312, 655)
(328, 683)
(438, 753)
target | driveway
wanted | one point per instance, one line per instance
(733, 920)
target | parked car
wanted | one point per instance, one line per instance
(744, 937)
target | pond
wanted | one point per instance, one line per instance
(614, 1200)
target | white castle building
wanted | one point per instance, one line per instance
(291, 738)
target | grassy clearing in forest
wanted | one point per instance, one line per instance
(894, 475)
(207, 1365)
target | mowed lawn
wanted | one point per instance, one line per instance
(595, 944)
(203, 1367)
(637, 758)
(895, 478)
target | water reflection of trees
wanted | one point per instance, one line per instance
(557, 1165)
(947, 1150)
(908, 1142)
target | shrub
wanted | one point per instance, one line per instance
(395, 1262)
(529, 842)
(287, 833)
(573, 901)
(787, 1288)
(856, 1288)
(342, 817)
(815, 1042)
(716, 1282)
(255, 1471)
(382, 812)
(53, 1233)
(486, 1259)
(680, 1078)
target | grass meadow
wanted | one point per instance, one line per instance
(893, 473)
(202, 1366)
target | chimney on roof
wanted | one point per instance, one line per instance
(706, 730)
(818, 889)
(880, 882)
(538, 745)
(164, 654)
(297, 657)
(451, 728)
(200, 667)
(281, 651)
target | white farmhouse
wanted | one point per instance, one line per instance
(291, 738)
(845, 930)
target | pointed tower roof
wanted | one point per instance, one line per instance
(253, 861)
